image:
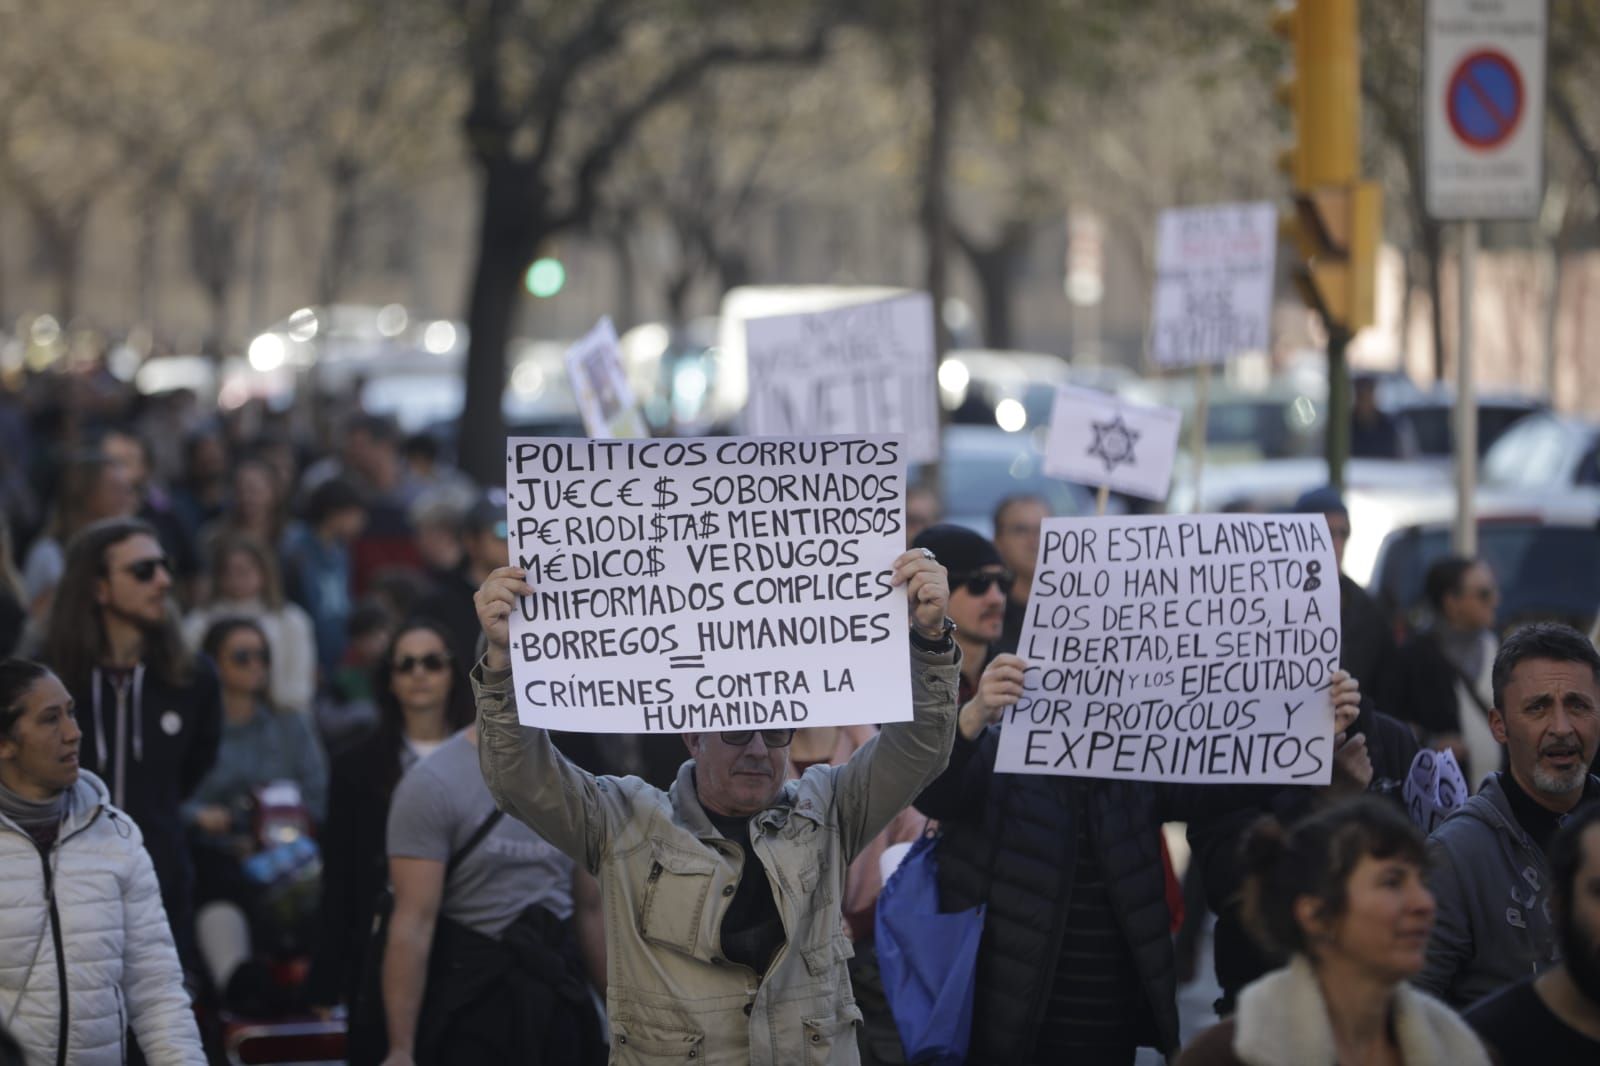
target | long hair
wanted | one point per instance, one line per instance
(458, 708)
(234, 542)
(75, 637)
(218, 635)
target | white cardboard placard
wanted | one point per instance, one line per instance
(864, 368)
(600, 384)
(1191, 648)
(1096, 438)
(1214, 274)
(708, 584)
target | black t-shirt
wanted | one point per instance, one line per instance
(1540, 822)
(1517, 1025)
(752, 930)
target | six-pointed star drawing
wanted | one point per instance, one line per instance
(1113, 443)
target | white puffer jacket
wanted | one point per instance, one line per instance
(99, 956)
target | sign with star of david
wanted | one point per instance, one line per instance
(1097, 439)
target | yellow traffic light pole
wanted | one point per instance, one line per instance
(1336, 227)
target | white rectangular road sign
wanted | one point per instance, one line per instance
(1483, 87)
(1214, 273)
(864, 368)
(708, 584)
(1098, 439)
(1179, 648)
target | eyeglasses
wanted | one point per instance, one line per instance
(978, 584)
(247, 656)
(1338, 532)
(433, 662)
(772, 738)
(144, 570)
(1486, 593)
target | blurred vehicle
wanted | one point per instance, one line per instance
(1426, 420)
(1544, 549)
(1014, 390)
(676, 375)
(982, 465)
(1273, 485)
(1279, 421)
(1546, 451)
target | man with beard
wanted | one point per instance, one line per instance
(1487, 863)
(1554, 1019)
(979, 585)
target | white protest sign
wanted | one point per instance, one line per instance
(594, 365)
(865, 368)
(1097, 439)
(1179, 648)
(1214, 273)
(716, 584)
(1483, 108)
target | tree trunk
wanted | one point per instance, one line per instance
(627, 308)
(995, 268)
(1432, 253)
(341, 233)
(509, 231)
(146, 265)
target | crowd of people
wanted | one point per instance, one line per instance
(260, 755)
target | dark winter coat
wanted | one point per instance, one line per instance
(1029, 842)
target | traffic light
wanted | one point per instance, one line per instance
(1337, 223)
(546, 277)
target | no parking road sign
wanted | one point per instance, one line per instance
(1483, 108)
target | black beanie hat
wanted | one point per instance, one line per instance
(958, 549)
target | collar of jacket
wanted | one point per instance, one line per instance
(686, 804)
(1282, 1018)
(87, 796)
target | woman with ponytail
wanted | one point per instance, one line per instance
(1342, 896)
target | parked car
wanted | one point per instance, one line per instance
(1546, 451)
(1426, 421)
(982, 465)
(1270, 485)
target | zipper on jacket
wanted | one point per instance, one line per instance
(655, 873)
(61, 961)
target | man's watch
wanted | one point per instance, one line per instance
(943, 642)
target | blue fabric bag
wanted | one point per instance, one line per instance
(928, 960)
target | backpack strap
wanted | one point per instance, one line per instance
(484, 829)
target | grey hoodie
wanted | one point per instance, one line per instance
(1495, 925)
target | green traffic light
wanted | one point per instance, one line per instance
(545, 277)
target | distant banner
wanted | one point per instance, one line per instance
(864, 368)
(1179, 648)
(600, 384)
(711, 584)
(1214, 274)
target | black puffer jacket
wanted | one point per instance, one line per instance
(1023, 828)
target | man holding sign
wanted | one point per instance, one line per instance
(1145, 669)
(723, 926)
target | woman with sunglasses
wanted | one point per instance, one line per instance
(423, 698)
(261, 744)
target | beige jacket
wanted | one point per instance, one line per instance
(667, 877)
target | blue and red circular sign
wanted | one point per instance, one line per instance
(1485, 99)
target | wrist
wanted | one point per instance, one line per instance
(939, 637)
(497, 658)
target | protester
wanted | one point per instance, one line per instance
(1487, 863)
(92, 488)
(201, 493)
(483, 550)
(1554, 1019)
(87, 950)
(492, 928)
(261, 744)
(255, 508)
(152, 718)
(244, 576)
(704, 960)
(1017, 521)
(979, 584)
(1342, 894)
(1374, 434)
(155, 506)
(348, 708)
(1366, 646)
(316, 564)
(1442, 678)
(13, 601)
(422, 699)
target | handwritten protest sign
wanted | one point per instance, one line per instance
(1214, 273)
(1179, 648)
(1435, 788)
(594, 364)
(1097, 439)
(865, 368)
(708, 584)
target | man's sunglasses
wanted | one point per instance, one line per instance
(433, 662)
(772, 738)
(144, 570)
(978, 584)
(246, 656)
